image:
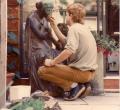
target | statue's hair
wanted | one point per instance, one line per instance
(41, 9)
(39, 5)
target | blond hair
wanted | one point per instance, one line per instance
(77, 11)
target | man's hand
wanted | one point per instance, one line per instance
(52, 21)
(49, 62)
(55, 28)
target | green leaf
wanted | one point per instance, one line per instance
(105, 42)
(31, 104)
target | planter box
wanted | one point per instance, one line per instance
(19, 92)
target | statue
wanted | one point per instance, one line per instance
(39, 43)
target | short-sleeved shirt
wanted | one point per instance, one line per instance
(82, 44)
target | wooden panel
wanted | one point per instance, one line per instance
(12, 2)
(112, 18)
(13, 60)
(11, 42)
(3, 57)
(13, 24)
(13, 12)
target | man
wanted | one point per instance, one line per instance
(81, 51)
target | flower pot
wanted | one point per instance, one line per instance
(9, 77)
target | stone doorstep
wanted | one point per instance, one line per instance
(112, 90)
(112, 83)
(112, 77)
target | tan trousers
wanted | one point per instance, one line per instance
(63, 76)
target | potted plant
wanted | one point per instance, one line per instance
(105, 44)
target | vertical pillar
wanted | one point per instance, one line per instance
(98, 16)
(3, 50)
(98, 82)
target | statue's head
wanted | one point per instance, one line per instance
(44, 8)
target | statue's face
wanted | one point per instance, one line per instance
(48, 8)
(44, 8)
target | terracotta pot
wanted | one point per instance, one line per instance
(22, 81)
(9, 77)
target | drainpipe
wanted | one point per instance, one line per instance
(21, 40)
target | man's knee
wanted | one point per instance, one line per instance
(41, 70)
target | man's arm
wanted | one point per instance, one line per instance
(58, 33)
(65, 54)
(55, 42)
